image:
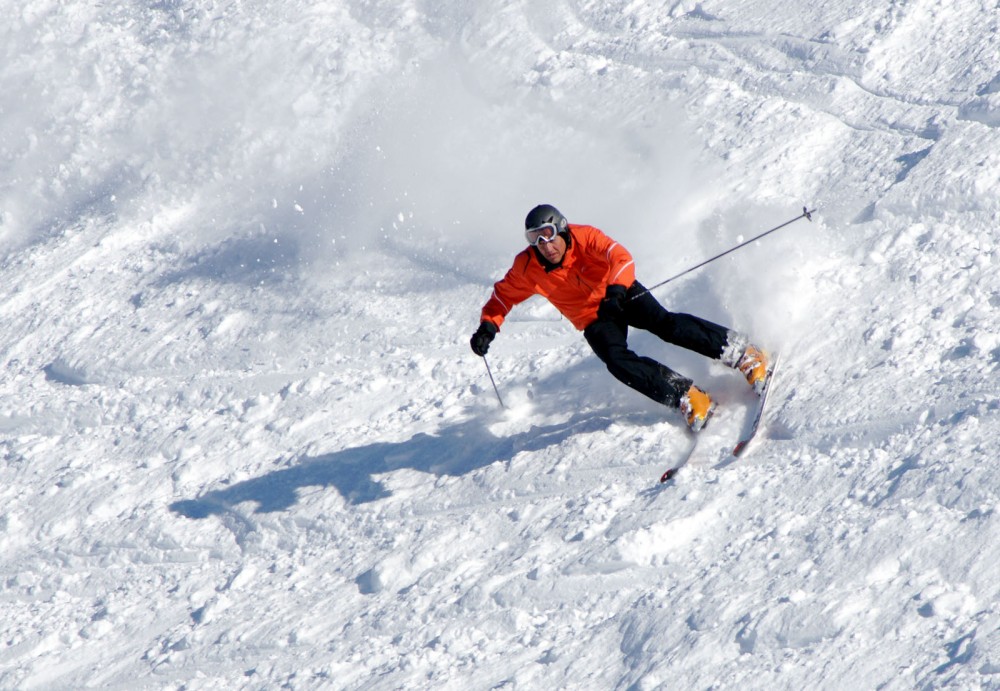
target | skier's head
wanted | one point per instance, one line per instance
(543, 214)
(547, 231)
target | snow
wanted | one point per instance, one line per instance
(244, 441)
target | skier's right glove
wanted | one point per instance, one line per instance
(481, 340)
(612, 307)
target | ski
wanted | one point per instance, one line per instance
(743, 443)
(671, 472)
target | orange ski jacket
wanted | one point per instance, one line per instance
(592, 262)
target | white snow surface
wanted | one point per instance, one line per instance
(245, 443)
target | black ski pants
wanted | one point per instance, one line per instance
(647, 376)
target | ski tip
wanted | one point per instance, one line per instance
(668, 476)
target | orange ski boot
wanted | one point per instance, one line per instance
(753, 364)
(696, 407)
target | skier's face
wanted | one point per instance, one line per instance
(553, 251)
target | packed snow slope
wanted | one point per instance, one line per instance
(245, 443)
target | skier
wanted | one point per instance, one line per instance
(590, 279)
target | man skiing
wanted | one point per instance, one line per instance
(590, 279)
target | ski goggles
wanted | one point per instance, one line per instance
(547, 232)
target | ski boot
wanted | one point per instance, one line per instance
(753, 365)
(696, 407)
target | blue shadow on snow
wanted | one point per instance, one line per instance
(455, 451)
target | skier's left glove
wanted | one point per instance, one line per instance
(612, 307)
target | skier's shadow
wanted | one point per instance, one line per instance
(456, 450)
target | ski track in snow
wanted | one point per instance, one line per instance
(244, 442)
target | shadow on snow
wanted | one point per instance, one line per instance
(455, 451)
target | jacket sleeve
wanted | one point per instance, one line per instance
(512, 289)
(621, 266)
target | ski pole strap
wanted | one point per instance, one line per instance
(806, 214)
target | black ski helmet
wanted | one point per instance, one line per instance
(546, 213)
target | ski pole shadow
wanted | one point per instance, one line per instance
(455, 451)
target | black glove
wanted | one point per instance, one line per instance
(612, 307)
(482, 338)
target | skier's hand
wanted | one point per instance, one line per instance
(482, 338)
(612, 307)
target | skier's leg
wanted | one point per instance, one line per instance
(732, 348)
(684, 330)
(647, 376)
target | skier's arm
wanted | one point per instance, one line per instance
(509, 291)
(621, 266)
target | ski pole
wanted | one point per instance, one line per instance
(806, 214)
(495, 389)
